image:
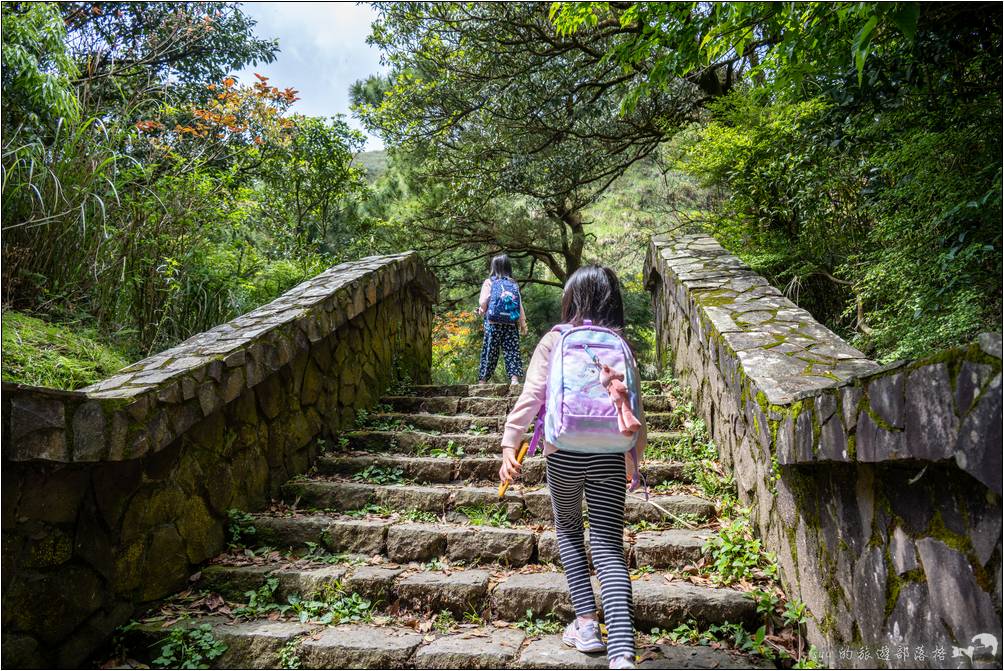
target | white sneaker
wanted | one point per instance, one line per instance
(585, 638)
(622, 662)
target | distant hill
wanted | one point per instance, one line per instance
(374, 162)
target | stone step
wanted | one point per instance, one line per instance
(658, 602)
(257, 645)
(663, 421)
(441, 423)
(450, 405)
(520, 504)
(443, 469)
(402, 541)
(479, 398)
(420, 442)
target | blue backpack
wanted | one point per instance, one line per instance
(503, 304)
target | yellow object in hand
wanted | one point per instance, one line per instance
(519, 459)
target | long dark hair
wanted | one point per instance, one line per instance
(501, 266)
(593, 292)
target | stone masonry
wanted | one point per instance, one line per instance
(879, 488)
(112, 494)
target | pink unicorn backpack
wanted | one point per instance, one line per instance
(580, 416)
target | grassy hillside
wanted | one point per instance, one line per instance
(374, 162)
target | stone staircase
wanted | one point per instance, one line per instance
(404, 513)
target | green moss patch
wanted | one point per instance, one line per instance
(62, 356)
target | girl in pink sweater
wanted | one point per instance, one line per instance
(592, 293)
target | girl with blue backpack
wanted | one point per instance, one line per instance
(582, 385)
(502, 307)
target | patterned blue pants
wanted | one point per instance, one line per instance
(504, 337)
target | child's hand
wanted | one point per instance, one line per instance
(510, 467)
(523, 330)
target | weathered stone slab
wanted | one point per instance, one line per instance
(356, 536)
(540, 592)
(330, 495)
(420, 469)
(407, 497)
(658, 603)
(440, 405)
(415, 542)
(654, 510)
(307, 582)
(417, 441)
(360, 647)
(457, 592)
(373, 582)
(490, 648)
(441, 423)
(485, 407)
(672, 548)
(548, 652)
(701, 657)
(256, 645)
(231, 582)
(478, 545)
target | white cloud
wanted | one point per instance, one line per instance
(322, 50)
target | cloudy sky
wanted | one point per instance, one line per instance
(322, 50)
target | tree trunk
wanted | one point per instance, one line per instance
(573, 239)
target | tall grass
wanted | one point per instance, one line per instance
(151, 248)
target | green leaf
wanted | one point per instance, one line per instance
(905, 18)
(860, 47)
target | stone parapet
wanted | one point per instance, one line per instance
(148, 404)
(115, 493)
(878, 488)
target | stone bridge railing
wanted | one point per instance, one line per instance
(112, 494)
(878, 488)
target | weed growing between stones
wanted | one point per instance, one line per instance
(537, 626)
(436, 564)
(415, 515)
(451, 451)
(288, 657)
(318, 553)
(476, 430)
(189, 648)
(762, 642)
(380, 475)
(261, 601)
(371, 509)
(641, 571)
(475, 618)
(644, 525)
(493, 515)
(333, 605)
(240, 528)
(444, 622)
(736, 554)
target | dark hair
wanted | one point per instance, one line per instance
(501, 267)
(593, 292)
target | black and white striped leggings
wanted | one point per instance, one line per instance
(602, 476)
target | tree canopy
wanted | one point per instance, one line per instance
(524, 126)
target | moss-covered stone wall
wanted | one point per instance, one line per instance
(112, 495)
(878, 488)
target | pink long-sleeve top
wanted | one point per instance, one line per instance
(486, 293)
(535, 393)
